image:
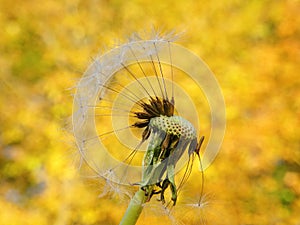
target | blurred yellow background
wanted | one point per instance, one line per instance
(253, 47)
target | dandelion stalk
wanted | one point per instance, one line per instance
(134, 209)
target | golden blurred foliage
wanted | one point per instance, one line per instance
(253, 47)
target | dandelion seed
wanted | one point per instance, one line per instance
(114, 189)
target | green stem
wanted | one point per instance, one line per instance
(134, 209)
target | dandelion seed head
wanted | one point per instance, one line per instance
(100, 83)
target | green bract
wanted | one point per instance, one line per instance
(169, 140)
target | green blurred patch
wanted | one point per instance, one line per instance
(284, 194)
(28, 53)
